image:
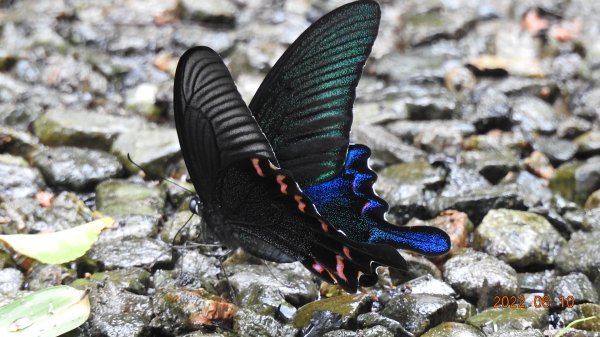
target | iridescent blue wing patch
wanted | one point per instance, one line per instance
(349, 203)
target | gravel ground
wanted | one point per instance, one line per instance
(483, 118)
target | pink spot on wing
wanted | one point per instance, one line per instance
(283, 185)
(257, 167)
(339, 267)
(347, 252)
(324, 226)
(365, 207)
(301, 204)
(318, 267)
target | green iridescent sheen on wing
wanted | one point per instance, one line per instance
(304, 105)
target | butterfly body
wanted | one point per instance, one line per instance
(279, 178)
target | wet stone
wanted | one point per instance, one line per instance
(372, 319)
(587, 219)
(519, 333)
(134, 280)
(492, 320)
(418, 266)
(45, 276)
(452, 329)
(185, 232)
(190, 36)
(477, 202)
(18, 179)
(492, 112)
(576, 285)
(581, 254)
(426, 284)
(11, 280)
(588, 143)
(580, 311)
(131, 252)
(587, 179)
(535, 281)
(249, 323)
(408, 130)
(349, 306)
(152, 149)
(439, 140)
(194, 270)
(557, 150)
(420, 311)
(521, 239)
(587, 104)
(132, 226)
(341, 333)
(496, 140)
(75, 168)
(82, 129)
(116, 312)
(534, 114)
(492, 165)
(376, 331)
(411, 66)
(439, 106)
(17, 143)
(253, 285)
(220, 12)
(121, 197)
(180, 310)
(573, 127)
(464, 310)
(385, 145)
(593, 201)
(418, 172)
(543, 88)
(479, 277)
(406, 200)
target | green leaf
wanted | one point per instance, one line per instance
(46, 313)
(58, 247)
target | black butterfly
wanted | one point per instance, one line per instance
(279, 178)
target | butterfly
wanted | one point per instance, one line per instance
(279, 177)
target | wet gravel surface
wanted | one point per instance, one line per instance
(483, 117)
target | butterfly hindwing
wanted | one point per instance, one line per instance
(304, 105)
(350, 204)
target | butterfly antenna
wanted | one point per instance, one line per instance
(157, 176)
(231, 290)
(180, 230)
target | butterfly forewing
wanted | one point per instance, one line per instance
(214, 125)
(304, 105)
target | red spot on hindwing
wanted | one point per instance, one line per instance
(256, 164)
(318, 267)
(301, 204)
(283, 185)
(324, 226)
(347, 252)
(339, 267)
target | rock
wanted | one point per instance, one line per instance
(492, 320)
(492, 165)
(576, 285)
(588, 143)
(413, 66)
(194, 270)
(18, 179)
(134, 280)
(424, 28)
(457, 225)
(538, 164)
(143, 100)
(131, 226)
(152, 149)
(586, 105)
(587, 178)
(580, 254)
(586, 220)
(492, 112)
(533, 114)
(252, 285)
(17, 143)
(180, 310)
(341, 333)
(543, 88)
(46, 276)
(82, 129)
(419, 172)
(188, 36)
(121, 197)
(349, 306)
(521, 239)
(558, 150)
(420, 311)
(220, 12)
(408, 130)
(573, 127)
(452, 329)
(464, 310)
(75, 168)
(11, 281)
(426, 284)
(580, 311)
(535, 281)
(441, 105)
(385, 145)
(517, 333)
(405, 200)
(496, 140)
(479, 277)
(132, 252)
(459, 79)
(116, 311)
(324, 322)
(372, 319)
(417, 266)
(376, 331)
(185, 231)
(593, 201)
(249, 323)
